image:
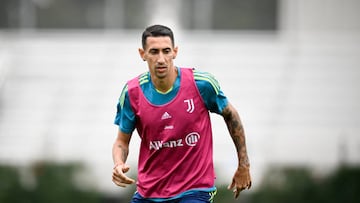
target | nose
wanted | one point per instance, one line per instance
(161, 58)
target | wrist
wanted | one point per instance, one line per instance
(117, 164)
(244, 163)
(244, 167)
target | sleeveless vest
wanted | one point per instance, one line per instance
(176, 152)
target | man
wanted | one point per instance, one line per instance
(169, 107)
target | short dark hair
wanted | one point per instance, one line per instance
(157, 31)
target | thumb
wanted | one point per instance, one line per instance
(125, 168)
(232, 185)
(121, 168)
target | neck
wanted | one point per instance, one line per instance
(165, 84)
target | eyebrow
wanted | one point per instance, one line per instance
(157, 49)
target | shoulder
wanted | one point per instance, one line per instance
(142, 79)
(123, 94)
(206, 80)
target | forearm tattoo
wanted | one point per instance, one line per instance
(236, 130)
(124, 152)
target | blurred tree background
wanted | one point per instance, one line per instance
(53, 182)
(298, 185)
(56, 182)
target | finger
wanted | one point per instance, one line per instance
(245, 186)
(118, 183)
(118, 174)
(116, 177)
(249, 186)
(123, 178)
(129, 180)
(125, 169)
(232, 185)
(236, 193)
(121, 182)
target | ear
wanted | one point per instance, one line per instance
(175, 51)
(142, 54)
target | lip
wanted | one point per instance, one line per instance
(161, 68)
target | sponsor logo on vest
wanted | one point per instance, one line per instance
(190, 104)
(169, 127)
(191, 140)
(166, 115)
(170, 144)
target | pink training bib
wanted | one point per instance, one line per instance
(176, 151)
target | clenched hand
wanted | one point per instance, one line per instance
(119, 177)
(240, 181)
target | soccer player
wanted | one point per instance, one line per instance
(169, 107)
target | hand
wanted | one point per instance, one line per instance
(240, 181)
(119, 177)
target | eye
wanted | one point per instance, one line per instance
(153, 51)
(166, 51)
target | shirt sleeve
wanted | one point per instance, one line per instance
(209, 88)
(125, 117)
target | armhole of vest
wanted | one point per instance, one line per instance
(133, 93)
(196, 87)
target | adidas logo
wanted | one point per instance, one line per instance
(166, 115)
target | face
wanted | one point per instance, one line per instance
(159, 53)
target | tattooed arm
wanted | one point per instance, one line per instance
(241, 179)
(120, 152)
